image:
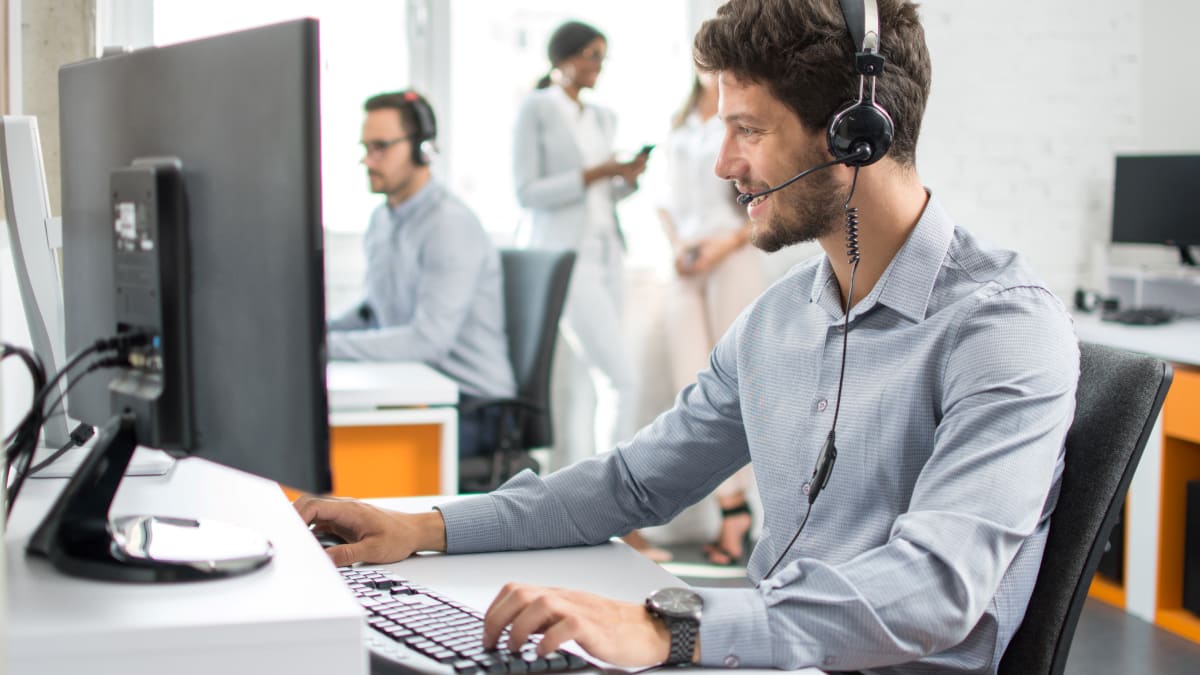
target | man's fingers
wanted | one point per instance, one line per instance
(342, 555)
(534, 617)
(501, 612)
(563, 630)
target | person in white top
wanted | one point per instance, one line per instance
(567, 177)
(717, 275)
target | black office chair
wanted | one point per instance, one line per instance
(1120, 394)
(535, 287)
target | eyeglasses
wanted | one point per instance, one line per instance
(379, 147)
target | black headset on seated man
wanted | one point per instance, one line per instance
(423, 136)
(862, 124)
(861, 132)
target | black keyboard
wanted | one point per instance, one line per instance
(1140, 316)
(416, 630)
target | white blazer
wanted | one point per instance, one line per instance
(548, 171)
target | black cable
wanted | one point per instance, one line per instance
(852, 258)
(788, 547)
(37, 373)
(18, 457)
(21, 450)
(79, 436)
(828, 453)
(117, 343)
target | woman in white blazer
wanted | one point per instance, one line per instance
(567, 177)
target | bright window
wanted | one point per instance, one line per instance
(363, 53)
(498, 52)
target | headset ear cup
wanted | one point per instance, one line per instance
(423, 152)
(861, 123)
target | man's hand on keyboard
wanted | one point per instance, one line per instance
(621, 633)
(372, 534)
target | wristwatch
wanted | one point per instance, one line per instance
(679, 608)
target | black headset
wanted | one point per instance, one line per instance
(423, 136)
(862, 124)
(860, 133)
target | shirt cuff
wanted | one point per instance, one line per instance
(472, 525)
(734, 632)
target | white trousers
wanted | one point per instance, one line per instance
(699, 309)
(592, 327)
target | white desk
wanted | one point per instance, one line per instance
(365, 394)
(1177, 342)
(292, 616)
(612, 570)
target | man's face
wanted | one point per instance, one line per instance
(387, 153)
(765, 144)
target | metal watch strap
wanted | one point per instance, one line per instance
(683, 641)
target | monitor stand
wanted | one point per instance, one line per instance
(79, 539)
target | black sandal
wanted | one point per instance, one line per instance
(716, 547)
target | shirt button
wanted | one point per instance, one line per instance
(840, 327)
(822, 405)
(805, 488)
(731, 661)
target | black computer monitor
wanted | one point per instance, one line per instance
(192, 221)
(1156, 200)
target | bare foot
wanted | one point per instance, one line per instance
(641, 545)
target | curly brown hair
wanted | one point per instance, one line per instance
(802, 52)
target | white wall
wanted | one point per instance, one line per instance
(1030, 100)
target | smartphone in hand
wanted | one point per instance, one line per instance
(645, 151)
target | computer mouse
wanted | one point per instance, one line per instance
(327, 539)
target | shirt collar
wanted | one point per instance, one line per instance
(405, 210)
(907, 283)
(568, 104)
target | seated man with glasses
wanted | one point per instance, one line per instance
(433, 284)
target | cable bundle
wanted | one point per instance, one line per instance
(21, 442)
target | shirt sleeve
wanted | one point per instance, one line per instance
(451, 259)
(676, 461)
(536, 189)
(1007, 402)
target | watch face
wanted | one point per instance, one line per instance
(680, 602)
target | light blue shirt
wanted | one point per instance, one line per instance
(926, 543)
(433, 294)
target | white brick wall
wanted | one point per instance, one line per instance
(1030, 100)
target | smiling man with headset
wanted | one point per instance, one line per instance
(950, 401)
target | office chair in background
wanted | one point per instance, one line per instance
(535, 287)
(1119, 396)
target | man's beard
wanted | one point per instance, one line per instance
(804, 214)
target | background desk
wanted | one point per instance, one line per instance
(1154, 509)
(293, 616)
(393, 429)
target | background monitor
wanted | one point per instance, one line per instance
(1156, 200)
(34, 236)
(223, 136)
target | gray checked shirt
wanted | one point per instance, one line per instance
(433, 294)
(922, 551)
